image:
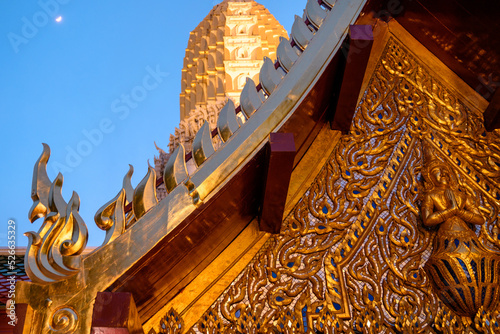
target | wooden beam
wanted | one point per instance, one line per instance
(492, 113)
(281, 154)
(24, 314)
(357, 53)
(115, 313)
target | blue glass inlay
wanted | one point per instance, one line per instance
(473, 294)
(273, 274)
(370, 296)
(406, 239)
(348, 173)
(374, 205)
(279, 299)
(483, 272)
(450, 270)
(360, 163)
(290, 264)
(322, 227)
(445, 282)
(355, 192)
(462, 295)
(381, 228)
(337, 306)
(464, 269)
(325, 210)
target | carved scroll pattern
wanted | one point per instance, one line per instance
(359, 222)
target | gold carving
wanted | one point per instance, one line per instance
(145, 194)
(447, 322)
(464, 273)
(315, 13)
(487, 322)
(250, 99)
(175, 170)
(54, 252)
(352, 252)
(111, 217)
(269, 77)
(64, 320)
(127, 185)
(202, 144)
(301, 33)
(170, 324)
(287, 55)
(40, 186)
(227, 123)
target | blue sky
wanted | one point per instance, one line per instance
(66, 84)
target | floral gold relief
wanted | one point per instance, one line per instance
(359, 252)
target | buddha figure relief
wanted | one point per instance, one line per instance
(464, 273)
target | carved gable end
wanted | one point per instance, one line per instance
(350, 255)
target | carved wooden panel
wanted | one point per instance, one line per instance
(350, 256)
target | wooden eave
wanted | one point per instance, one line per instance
(166, 269)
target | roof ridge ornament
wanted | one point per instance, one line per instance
(54, 252)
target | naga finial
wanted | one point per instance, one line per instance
(54, 252)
